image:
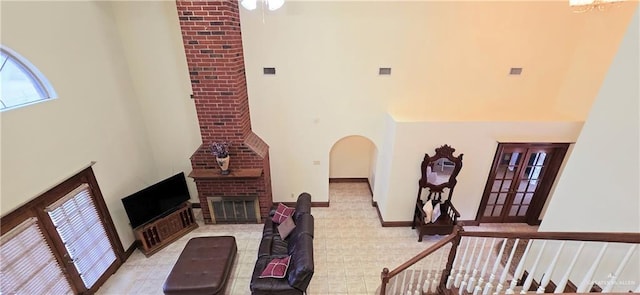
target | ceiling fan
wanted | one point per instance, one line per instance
(271, 4)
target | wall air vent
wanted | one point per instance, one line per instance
(269, 71)
(515, 71)
(384, 71)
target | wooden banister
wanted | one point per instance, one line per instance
(422, 255)
(563, 236)
(386, 275)
(455, 238)
(452, 256)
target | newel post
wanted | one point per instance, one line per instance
(385, 280)
(452, 255)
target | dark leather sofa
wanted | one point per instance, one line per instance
(299, 244)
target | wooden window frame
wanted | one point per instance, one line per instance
(35, 208)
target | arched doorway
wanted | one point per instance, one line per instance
(353, 159)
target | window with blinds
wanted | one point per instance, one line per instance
(77, 222)
(27, 264)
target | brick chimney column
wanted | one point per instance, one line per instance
(213, 45)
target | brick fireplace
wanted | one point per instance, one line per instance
(213, 46)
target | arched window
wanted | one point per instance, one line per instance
(21, 83)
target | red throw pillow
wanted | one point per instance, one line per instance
(277, 268)
(282, 213)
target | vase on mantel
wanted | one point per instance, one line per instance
(224, 164)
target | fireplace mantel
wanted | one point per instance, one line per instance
(234, 174)
(237, 185)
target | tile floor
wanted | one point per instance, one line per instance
(348, 245)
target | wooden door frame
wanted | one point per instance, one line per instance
(542, 193)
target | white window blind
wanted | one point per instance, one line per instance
(78, 224)
(27, 265)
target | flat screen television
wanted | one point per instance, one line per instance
(156, 200)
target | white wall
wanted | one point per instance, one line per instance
(372, 170)
(449, 64)
(384, 163)
(350, 157)
(97, 116)
(152, 42)
(598, 190)
(476, 140)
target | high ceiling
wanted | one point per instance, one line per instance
(450, 60)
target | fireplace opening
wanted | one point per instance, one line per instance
(234, 209)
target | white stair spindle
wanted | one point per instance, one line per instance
(419, 283)
(415, 285)
(467, 269)
(529, 280)
(489, 286)
(549, 272)
(427, 283)
(472, 279)
(404, 280)
(438, 267)
(563, 282)
(463, 285)
(461, 267)
(586, 283)
(451, 276)
(434, 285)
(519, 269)
(410, 287)
(437, 271)
(449, 283)
(426, 286)
(395, 285)
(427, 279)
(505, 270)
(623, 263)
(478, 288)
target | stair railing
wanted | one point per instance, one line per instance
(392, 284)
(514, 260)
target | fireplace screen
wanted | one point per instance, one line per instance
(234, 209)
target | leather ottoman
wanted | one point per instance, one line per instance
(203, 266)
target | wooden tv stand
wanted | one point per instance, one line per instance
(157, 234)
